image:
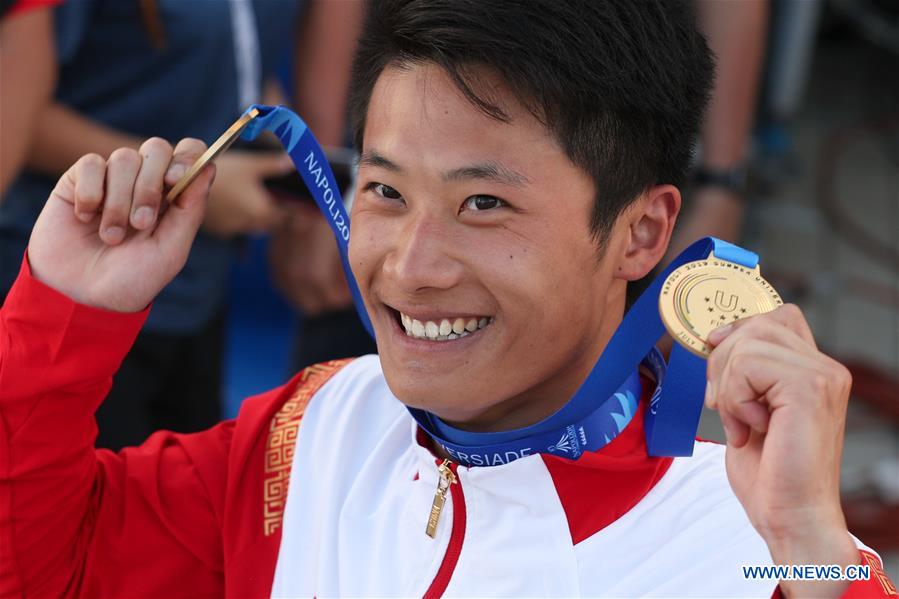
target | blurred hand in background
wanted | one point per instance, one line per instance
(239, 203)
(306, 264)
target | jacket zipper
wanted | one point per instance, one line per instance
(448, 480)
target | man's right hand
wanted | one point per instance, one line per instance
(106, 239)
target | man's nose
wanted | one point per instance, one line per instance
(422, 257)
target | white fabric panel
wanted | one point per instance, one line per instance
(354, 523)
(365, 534)
(688, 537)
(517, 542)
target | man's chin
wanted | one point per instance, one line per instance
(440, 395)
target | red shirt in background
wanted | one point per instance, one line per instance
(21, 6)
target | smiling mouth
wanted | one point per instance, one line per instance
(444, 329)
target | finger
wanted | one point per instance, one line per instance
(89, 179)
(758, 365)
(751, 413)
(763, 329)
(272, 164)
(743, 391)
(179, 224)
(121, 173)
(736, 433)
(264, 213)
(338, 296)
(740, 418)
(308, 293)
(710, 401)
(186, 153)
(299, 218)
(792, 317)
(307, 298)
(311, 304)
(156, 155)
(788, 315)
(274, 215)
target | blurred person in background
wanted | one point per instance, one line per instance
(736, 33)
(27, 77)
(136, 68)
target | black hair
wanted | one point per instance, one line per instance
(621, 84)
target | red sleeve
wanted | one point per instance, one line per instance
(23, 6)
(79, 522)
(877, 586)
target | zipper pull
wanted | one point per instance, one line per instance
(447, 477)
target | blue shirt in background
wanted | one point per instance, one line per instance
(110, 72)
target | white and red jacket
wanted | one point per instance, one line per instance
(324, 487)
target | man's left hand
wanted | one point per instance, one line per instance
(783, 406)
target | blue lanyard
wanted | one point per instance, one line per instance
(565, 439)
(580, 425)
(312, 164)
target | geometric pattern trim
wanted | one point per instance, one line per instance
(878, 574)
(282, 440)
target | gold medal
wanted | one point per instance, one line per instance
(698, 297)
(218, 146)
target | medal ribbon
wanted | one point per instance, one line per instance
(570, 439)
(312, 164)
(580, 425)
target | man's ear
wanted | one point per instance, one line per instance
(649, 221)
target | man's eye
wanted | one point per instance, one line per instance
(481, 203)
(385, 191)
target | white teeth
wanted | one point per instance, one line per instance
(445, 327)
(446, 330)
(458, 326)
(418, 329)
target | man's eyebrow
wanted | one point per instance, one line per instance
(372, 158)
(491, 171)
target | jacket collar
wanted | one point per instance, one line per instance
(594, 490)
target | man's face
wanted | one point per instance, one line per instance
(472, 249)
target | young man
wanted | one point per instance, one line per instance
(518, 169)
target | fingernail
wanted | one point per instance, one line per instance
(708, 395)
(84, 217)
(143, 217)
(113, 234)
(175, 172)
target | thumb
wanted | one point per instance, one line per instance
(65, 187)
(179, 224)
